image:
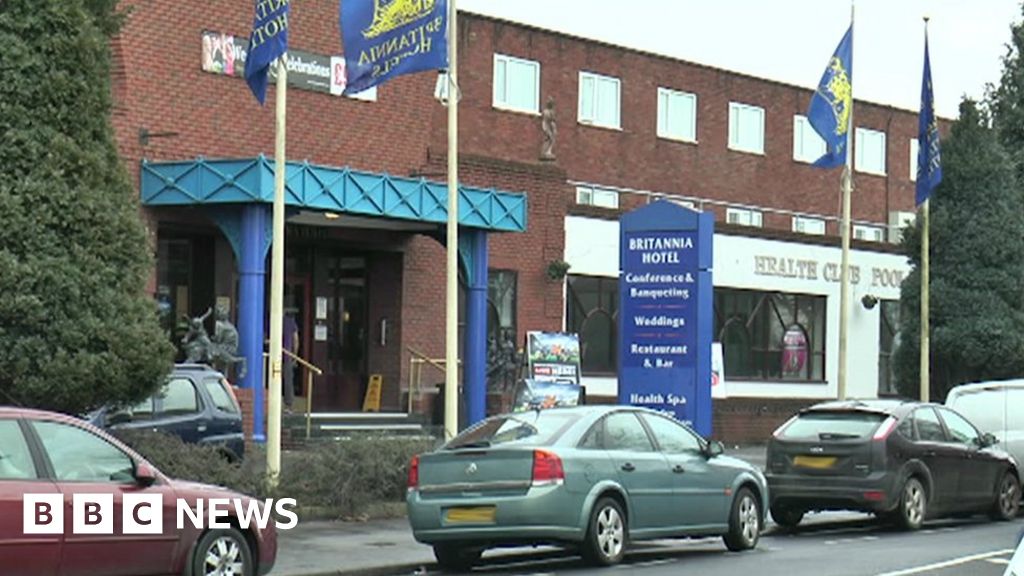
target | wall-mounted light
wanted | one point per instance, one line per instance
(331, 216)
(869, 301)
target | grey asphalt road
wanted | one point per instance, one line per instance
(829, 545)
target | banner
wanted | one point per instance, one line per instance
(387, 38)
(538, 395)
(553, 357)
(832, 104)
(268, 41)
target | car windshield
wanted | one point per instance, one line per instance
(220, 394)
(536, 428)
(833, 425)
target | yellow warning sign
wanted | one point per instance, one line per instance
(371, 403)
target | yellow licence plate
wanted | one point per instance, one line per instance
(814, 461)
(471, 515)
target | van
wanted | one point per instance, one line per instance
(996, 407)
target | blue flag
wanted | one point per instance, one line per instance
(832, 104)
(929, 166)
(387, 38)
(268, 42)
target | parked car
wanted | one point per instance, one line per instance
(43, 452)
(995, 407)
(905, 461)
(196, 404)
(593, 477)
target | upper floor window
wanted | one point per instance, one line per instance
(913, 159)
(677, 115)
(746, 128)
(869, 233)
(516, 84)
(807, 225)
(744, 217)
(597, 197)
(870, 153)
(808, 146)
(599, 100)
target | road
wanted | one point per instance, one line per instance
(832, 545)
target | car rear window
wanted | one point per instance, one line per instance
(537, 428)
(833, 425)
(220, 395)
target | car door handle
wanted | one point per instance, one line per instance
(929, 453)
(678, 469)
(628, 467)
(201, 428)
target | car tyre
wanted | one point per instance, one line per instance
(455, 558)
(744, 522)
(913, 506)
(787, 517)
(223, 552)
(1007, 502)
(607, 534)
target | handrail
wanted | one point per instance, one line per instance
(416, 371)
(302, 362)
(310, 370)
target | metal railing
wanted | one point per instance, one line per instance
(416, 364)
(310, 370)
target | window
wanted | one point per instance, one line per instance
(961, 431)
(870, 152)
(537, 428)
(592, 310)
(833, 425)
(913, 159)
(986, 408)
(928, 427)
(597, 197)
(744, 217)
(806, 225)
(671, 436)
(15, 458)
(516, 84)
(770, 335)
(1014, 418)
(746, 128)
(78, 455)
(221, 395)
(677, 115)
(808, 146)
(599, 100)
(179, 397)
(868, 233)
(888, 339)
(622, 431)
(502, 368)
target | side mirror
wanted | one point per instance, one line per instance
(988, 439)
(145, 475)
(714, 448)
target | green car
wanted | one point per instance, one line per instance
(591, 477)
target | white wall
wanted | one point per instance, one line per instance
(592, 249)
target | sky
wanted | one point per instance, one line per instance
(791, 40)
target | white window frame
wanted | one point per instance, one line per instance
(864, 160)
(735, 139)
(500, 94)
(670, 100)
(600, 197)
(868, 233)
(744, 217)
(802, 223)
(913, 159)
(808, 145)
(591, 117)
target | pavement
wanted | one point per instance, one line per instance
(379, 547)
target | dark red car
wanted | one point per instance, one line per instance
(47, 454)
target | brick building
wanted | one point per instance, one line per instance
(365, 268)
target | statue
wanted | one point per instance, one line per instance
(550, 128)
(220, 351)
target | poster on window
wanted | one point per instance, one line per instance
(794, 352)
(718, 389)
(553, 357)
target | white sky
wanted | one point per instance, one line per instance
(792, 40)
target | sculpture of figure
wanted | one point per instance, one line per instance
(196, 342)
(218, 351)
(550, 128)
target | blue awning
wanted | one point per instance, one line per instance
(330, 189)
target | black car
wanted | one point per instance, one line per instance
(196, 404)
(901, 460)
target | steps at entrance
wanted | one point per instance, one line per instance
(329, 425)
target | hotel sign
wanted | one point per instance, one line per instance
(812, 270)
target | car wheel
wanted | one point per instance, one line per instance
(913, 505)
(1007, 498)
(787, 517)
(455, 558)
(223, 553)
(605, 543)
(744, 522)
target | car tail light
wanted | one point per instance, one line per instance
(885, 429)
(414, 473)
(547, 468)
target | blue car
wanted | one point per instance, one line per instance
(196, 404)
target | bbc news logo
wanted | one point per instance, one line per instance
(144, 513)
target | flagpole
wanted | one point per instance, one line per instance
(925, 281)
(277, 280)
(844, 294)
(451, 380)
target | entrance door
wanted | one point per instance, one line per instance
(345, 372)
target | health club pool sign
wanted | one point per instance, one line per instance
(665, 311)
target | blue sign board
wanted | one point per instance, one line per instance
(665, 312)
